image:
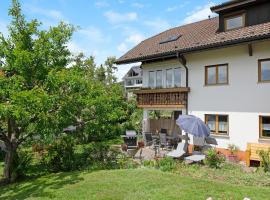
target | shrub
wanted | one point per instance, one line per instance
(100, 155)
(265, 158)
(21, 164)
(214, 159)
(167, 164)
(233, 148)
(60, 155)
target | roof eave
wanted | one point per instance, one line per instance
(229, 5)
(172, 54)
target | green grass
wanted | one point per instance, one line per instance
(229, 173)
(128, 184)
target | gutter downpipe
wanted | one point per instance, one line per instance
(183, 61)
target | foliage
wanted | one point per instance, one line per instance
(60, 155)
(21, 164)
(164, 164)
(2, 155)
(265, 158)
(135, 118)
(27, 56)
(167, 164)
(44, 90)
(233, 148)
(214, 159)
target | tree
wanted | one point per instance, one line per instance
(27, 57)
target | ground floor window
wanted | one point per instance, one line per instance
(218, 124)
(265, 126)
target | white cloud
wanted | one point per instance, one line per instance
(51, 13)
(101, 4)
(172, 8)
(199, 13)
(138, 5)
(74, 47)
(93, 34)
(135, 38)
(122, 47)
(177, 7)
(158, 24)
(115, 17)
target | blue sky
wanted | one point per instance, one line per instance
(111, 27)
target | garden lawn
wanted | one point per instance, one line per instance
(127, 184)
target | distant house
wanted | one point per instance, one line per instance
(217, 69)
(132, 80)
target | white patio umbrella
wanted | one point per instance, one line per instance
(193, 125)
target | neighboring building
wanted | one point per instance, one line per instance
(217, 69)
(132, 80)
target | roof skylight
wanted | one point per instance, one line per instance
(170, 39)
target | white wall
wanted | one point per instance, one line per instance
(170, 64)
(243, 99)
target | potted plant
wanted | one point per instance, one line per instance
(233, 152)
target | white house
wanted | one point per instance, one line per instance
(217, 69)
(132, 80)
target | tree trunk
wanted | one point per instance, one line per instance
(10, 156)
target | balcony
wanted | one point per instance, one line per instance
(162, 98)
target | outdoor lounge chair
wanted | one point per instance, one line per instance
(179, 151)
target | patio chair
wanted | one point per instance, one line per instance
(147, 138)
(163, 130)
(179, 152)
(163, 142)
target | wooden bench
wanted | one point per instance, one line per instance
(252, 152)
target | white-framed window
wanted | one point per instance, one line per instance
(177, 77)
(159, 79)
(152, 79)
(169, 78)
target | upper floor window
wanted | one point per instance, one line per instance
(159, 79)
(169, 78)
(129, 82)
(177, 77)
(218, 124)
(234, 22)
(264, 70)
(138, 81)
(216, 74)
(265, 126)
(151, 79)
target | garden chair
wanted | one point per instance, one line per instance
(163, 142)
(179, 152)
(147, 138)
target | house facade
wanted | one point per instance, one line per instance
(217, 69)
(132, 81)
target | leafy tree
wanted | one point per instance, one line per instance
(27, 56)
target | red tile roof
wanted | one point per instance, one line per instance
(196, 36)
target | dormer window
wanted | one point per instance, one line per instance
(234, 22)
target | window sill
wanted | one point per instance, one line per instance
(220, 136)
(218, 84)
(261, 82)
(264, 140)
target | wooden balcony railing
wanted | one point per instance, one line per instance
(162, 98)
